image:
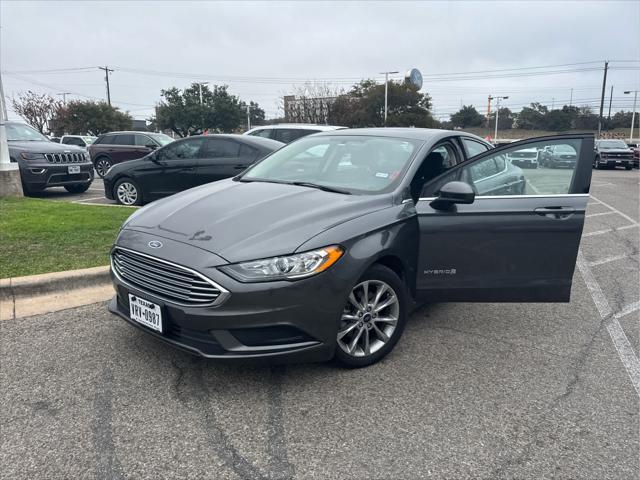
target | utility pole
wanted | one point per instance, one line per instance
(497, 99)
(248, 118)
(201, 109)
(64, 97)
(610, 100)
(553, 102)
(106, 78)
(604, 86)
(571, 98)
(633, 115)
(386, 93)
(489, 112)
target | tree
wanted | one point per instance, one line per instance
(585, 119)
(88, 117)
(182, 112)
(36, 110)
(310, 103)
(558, 120)
(467, 116)
(363, 106)
(622, 120)
(532, 118)
(256, 114)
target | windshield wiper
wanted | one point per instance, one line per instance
(321, 187)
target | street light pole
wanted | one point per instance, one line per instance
(248, 118)
(495, 132)
(386, 93)
(64, 96)
(201, 110)
(633, 115)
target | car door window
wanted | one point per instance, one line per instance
(248, 153)
(105, 140)
(440, 159)
(144, 141)
(506, 173)
(125, 139)
(220, 148)
(264, 133)
(288, 135)
(473, 147)
(184, 149)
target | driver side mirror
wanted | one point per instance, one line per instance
(453, 193)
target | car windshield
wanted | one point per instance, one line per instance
(564, 149)
(161, 138)
(23, 133)
(352, 164)
(609, 144)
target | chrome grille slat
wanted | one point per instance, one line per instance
(165, 280)
(64, 157)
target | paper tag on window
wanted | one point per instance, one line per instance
(382, 175)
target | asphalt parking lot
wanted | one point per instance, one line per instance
(471, 391)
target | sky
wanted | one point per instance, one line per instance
(529, 51)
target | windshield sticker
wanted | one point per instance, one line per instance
(382, 175)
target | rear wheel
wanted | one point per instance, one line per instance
(372, 319)
(103, 164)
(127, 192)
(79, 188)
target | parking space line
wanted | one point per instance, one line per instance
(535, 190)
(618, 337)
(607, 260)
(628, 309)
(611, 212)
(600, 232)
(623, 215)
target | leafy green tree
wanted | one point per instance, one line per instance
(585, 119)
(363, 106)
(622, 120)
(182, 112)
(87, 117)
(532, 118)
(506, 119)
(467, 116)
(558, 120)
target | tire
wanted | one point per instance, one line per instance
(360, 323)
(127, 192)
(78, 188)
(102, 165)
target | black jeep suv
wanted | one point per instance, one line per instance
(44, 163)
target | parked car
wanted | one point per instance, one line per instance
(79, 140)
(527, 158)
(612, 154)
(45, 164)
(116, 147)
(559, 156)
(318, 250)
(635, 148)
(55, 139)
(184, 164)
(288, 132)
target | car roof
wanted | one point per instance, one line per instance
(424, 134)
(298, 126)
(249, 140)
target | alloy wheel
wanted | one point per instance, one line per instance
(103, 166)
(368, 319)
(127, 193)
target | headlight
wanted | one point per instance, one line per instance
(31, 156)
(289, 267)
(86, 156)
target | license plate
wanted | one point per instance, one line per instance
(74, 168)
(145, 312)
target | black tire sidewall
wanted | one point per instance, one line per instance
(138, 201)
(378, 272)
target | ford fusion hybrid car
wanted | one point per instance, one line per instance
(319, 250)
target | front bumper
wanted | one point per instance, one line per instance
(280, 321)
(524, 162)
(615, 162)
(44, 174)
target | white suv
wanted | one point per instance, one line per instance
(288, 132)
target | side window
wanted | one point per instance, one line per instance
(264, 133)
(472, 147)
(439, 160)
(221, 148)
(288, 135)
(106, 140)
(181, 150)
(515, 171)
(247, 152)
(126, 139)
(73, 141)
(144, 141)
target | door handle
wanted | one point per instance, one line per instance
(555, 212)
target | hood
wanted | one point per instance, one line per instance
(43, 147)
(243, 221)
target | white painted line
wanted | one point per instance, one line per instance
(597, 232)
(607, 260)
(602, 304)
(620, 340)
(628, 309)
(601, 184)
(535, 190)
(611, 212)
(626, 227)
(623, 215)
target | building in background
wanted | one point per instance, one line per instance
(307, 109)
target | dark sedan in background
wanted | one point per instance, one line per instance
(45, 164)
(320, 249)
(184, 164)
(112, 148)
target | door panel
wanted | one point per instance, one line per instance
(173, 168)
(220, 158)
(519, 239)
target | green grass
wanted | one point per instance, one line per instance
(40, 236)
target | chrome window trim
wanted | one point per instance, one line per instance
(494, 197)
(224, 293)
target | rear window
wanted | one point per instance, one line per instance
(288, 135)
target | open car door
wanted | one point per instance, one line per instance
(507, 233)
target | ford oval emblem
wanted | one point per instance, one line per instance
(155, 244)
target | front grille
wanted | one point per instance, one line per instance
(165, 280)
(64, 157)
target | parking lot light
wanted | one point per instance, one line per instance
(633, 115)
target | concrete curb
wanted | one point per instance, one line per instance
(50, 292)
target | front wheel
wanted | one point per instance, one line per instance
(127, 192)
(103, 164)
(372, 319)
(79, 188)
